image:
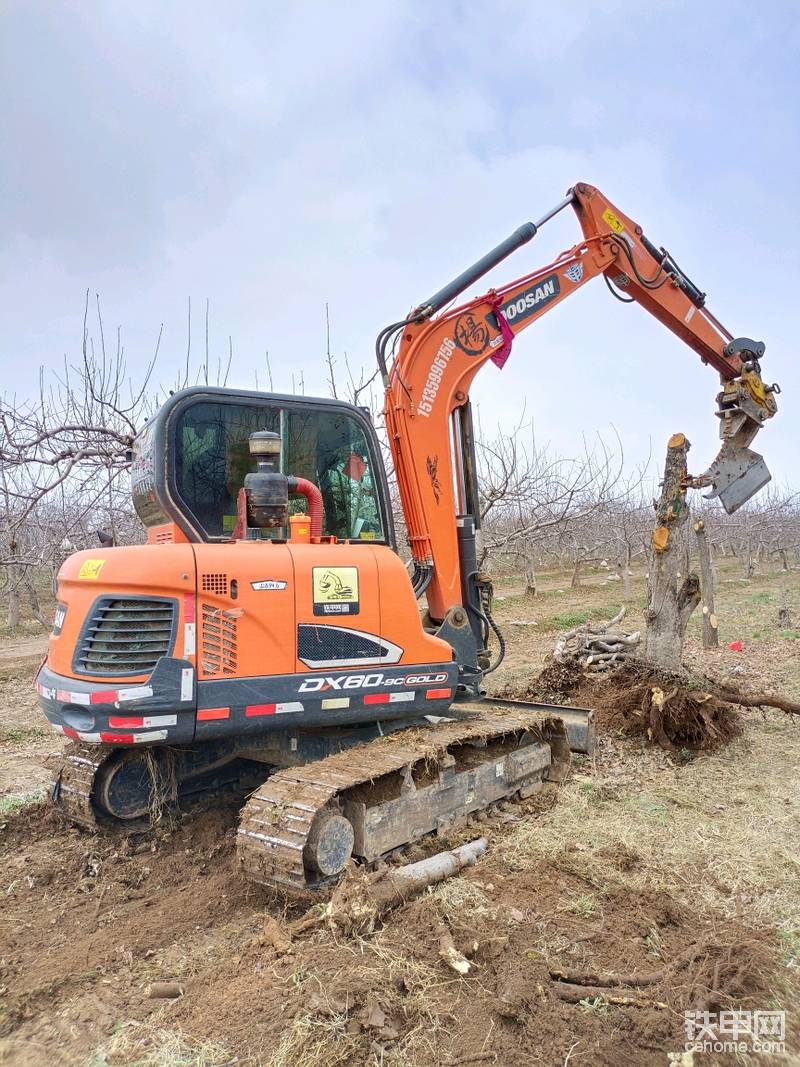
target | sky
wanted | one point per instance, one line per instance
(274, 158)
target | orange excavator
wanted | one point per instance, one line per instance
(269, 634)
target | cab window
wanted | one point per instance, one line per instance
(327, 447)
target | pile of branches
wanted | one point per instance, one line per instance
(597, 646)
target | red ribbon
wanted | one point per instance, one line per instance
(501, 355)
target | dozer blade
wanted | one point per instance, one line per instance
(578, 722)
(736, 475)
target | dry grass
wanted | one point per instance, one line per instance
(149, 1045)
(330, 1035)
(718, 833)
(317, 1040)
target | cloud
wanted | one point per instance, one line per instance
(275, 159)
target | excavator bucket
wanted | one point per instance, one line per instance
(736, 475)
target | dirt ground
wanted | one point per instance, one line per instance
(681, 869)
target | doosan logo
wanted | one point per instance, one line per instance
(532, 299)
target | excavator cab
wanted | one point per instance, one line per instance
(192, 458)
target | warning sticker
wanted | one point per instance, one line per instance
(616, 225)
(335, 590)
(90, 570)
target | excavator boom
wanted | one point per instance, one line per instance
(441, 348)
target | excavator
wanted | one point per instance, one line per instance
(269, 635)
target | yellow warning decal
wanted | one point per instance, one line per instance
(90, 570)
(335, 590)
(616, 225)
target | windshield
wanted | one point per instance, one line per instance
(327, 447)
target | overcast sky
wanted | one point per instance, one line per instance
(272, 157)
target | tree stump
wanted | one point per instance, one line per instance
(669, 604)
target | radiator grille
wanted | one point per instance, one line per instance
(214, 583)
(218, 641)
(126, 636)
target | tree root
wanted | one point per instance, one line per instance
(574, 994)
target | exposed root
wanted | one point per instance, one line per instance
(162, 768)
(675, 711)
(597, 646)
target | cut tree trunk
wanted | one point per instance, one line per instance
(710, 629)
(670, 603)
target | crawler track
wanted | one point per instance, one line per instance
(405, 785)
(74, 784)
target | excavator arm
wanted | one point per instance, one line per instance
(439, 348)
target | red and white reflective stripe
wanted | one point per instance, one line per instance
(136, 692)
(187, 684)
(211, 714)
(438, 694)
(108, 738)
(189, 625)
(388, 698)
(71, 698)
(99, 696)
(252, 711)
(121, 696)
(105, 737)
(135, 721)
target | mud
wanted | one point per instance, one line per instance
(89, 922)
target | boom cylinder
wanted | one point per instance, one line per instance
(483, 265)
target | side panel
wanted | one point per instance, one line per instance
(245, 610)
(336, 592)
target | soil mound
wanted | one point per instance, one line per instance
(639, 700)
